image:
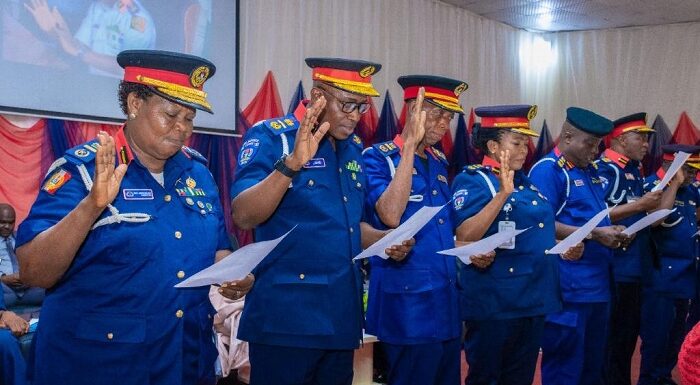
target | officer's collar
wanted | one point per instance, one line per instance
(122, 148)
(616, 157)
(565, 162)
(492, 164)
(660, 173)
(301, 110)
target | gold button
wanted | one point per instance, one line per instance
(441, 221)
(534, 203)
(520, 187)
(167, 198)
(311, 182)
(434, 192)
(511, 270)
(345, 199)
(178, 235)
(181, 274)
(110, 336)
(302, 276)
(352, 230)
(541, 225)
(179, 314)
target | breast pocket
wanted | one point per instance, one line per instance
(407, 305)
(299, 303)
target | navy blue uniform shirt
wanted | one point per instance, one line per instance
(414, 300)
(576, 195)
(497, 291)
(623, 183)
(307, 292)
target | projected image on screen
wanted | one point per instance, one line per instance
(61, 53)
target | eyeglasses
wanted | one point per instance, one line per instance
(348, 107)
(437, 113)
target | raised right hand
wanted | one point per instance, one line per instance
(415, 128)
(107, 177)
(44, 17)
(506, 176)
(306, 142)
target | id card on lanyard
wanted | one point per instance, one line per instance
(507, 225)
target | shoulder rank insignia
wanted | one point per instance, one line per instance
(606, 159)
(472, 168)
(440, 155)
(386, 148)
(83, 153)
(280, 125)
(194, 154)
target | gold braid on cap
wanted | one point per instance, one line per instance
(187, 94)
(349, 85)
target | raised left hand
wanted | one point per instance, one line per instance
(235, 290)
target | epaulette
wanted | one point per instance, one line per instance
(386, 148)
(594, 165)
(358, 142)
(194, 154)
(473, 168)
(440, 155)
(606, 159)
(696, 184)
(84, 153)
(283, 124)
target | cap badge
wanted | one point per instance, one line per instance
(532, 113)
(460, 88)
(199, 76)
(367, 71)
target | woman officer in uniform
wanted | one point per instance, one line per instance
(503, 299)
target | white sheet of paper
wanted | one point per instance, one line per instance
(580, 234)
(406, 231)
(678, 161)
(647, 220)
(696, 234)
(235, 265)
(482, 246)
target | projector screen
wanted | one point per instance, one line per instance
(58, 57)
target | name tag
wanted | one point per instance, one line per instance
(135, 194)
(316, 163)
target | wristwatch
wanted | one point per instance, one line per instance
(283, 169)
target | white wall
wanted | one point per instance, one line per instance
(613, 72)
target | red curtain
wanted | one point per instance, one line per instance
(686, 132)
(266, 104)
(25, 156)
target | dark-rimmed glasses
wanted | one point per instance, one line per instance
(348, 107)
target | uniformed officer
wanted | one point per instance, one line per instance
(503, 303)
(412, 303)
(13, 369)
(573, 344)
(670, 281)
(619, 169)
(304, 317)
(110, 241)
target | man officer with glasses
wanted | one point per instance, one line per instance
(412, 305)
(304, 318)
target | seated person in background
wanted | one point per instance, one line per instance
(15, 292)
(12, 365)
